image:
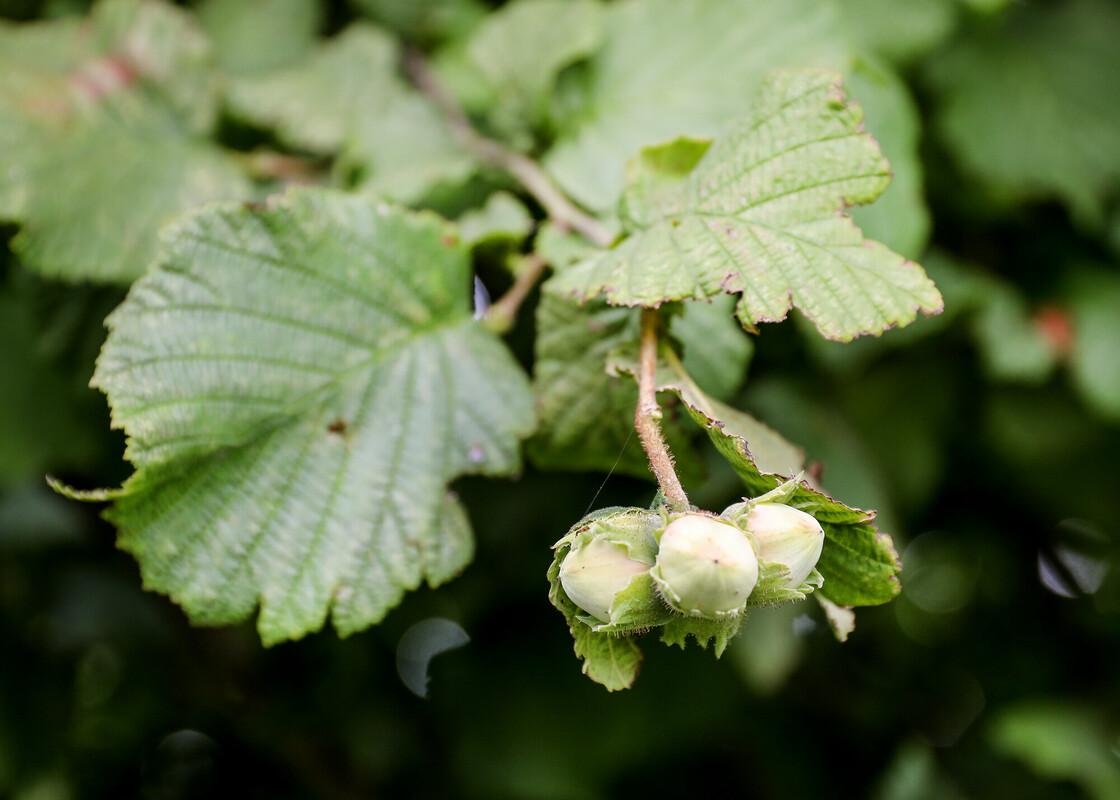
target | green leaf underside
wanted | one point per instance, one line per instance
(587, 415)
(859, 564)
(347, 96)
(298, 383)
(763, 215)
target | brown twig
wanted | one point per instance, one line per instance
(501, 315)
(647, 416)
(281, 166)
(528, 173)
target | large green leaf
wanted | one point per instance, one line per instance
(669, 69)
(346, 96)
(762, 214)
(298, 383)
(1030, 106)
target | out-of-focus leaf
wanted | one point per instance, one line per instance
(1011, 345)
(716, 351)
(298, 384)
(899, 30)
(512, 58)
(767, 650)
(346, 96)
(424, 21)
(899, 218)
(681, 69)
(1094, 298)
(503, 218)
(252, 35)
(849, 470)
(101, 123)
(1029, 106)
(913, 775)
(1059, 742)
(99, 194)
(762, 215)
(44, 419)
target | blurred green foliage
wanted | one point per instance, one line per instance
(987, 437)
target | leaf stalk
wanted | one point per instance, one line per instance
(647, 415)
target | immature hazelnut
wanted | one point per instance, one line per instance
(787, 536)
(595, 571)
(705, 567)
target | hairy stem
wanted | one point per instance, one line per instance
(503, 312)
(647, 416)
(528, 173)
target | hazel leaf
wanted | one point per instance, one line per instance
(298, 383)
(764, 215)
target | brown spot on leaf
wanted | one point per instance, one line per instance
(338, 427)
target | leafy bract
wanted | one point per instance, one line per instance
(508, 66)
(298, 383)
(346, 96)
(1043, 120)
(608, 659)
(762, 215)
(669, 69)
(113, 109)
